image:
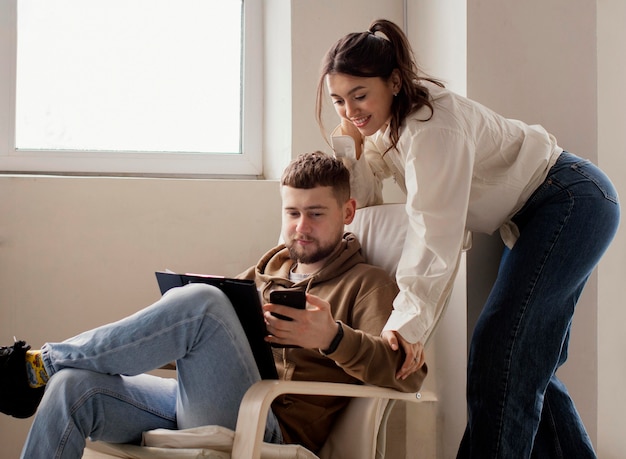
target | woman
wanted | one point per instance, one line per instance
(465, 168)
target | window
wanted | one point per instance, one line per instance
(132, 86)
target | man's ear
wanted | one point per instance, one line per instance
(349, 209)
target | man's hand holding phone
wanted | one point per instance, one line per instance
(291, 298)
(311, 323)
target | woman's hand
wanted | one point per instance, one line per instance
(415, 357)
(347, 128)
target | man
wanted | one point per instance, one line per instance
(95, 382)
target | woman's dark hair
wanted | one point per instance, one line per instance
(310, 170)
(366, 54)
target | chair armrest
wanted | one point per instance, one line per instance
(256, 403)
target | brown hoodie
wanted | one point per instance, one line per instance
(360, 296)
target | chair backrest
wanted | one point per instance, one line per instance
(382, 230)
(360, 431)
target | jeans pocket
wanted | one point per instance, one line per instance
(595, 175)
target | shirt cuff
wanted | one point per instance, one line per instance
(408, 325)
(344, 147)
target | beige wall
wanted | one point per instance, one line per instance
(611, 35)
(522, 64)
(560, 64)
(78, 252)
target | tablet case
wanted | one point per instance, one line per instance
(244, 297)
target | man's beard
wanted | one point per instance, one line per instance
(318, 255)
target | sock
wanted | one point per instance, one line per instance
(36, 372)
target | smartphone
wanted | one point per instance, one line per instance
(291, 298)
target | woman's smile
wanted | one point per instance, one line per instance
(361, 122)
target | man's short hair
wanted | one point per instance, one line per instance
(310, 170)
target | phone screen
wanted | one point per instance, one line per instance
(291, 298)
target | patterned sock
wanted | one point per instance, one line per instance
(37, 375)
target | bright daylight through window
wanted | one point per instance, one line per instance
(131, 80)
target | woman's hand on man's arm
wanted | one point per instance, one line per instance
(415, 357)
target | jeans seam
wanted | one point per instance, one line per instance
(116, 396)
(527, 299)
(63, 441)
(557, 443)
(108, 393)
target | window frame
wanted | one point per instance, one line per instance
(62, 162)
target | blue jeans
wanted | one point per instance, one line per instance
(517, 408)
(97, 388)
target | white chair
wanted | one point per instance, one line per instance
(359, 433)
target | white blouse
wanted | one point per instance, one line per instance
(465, 169)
